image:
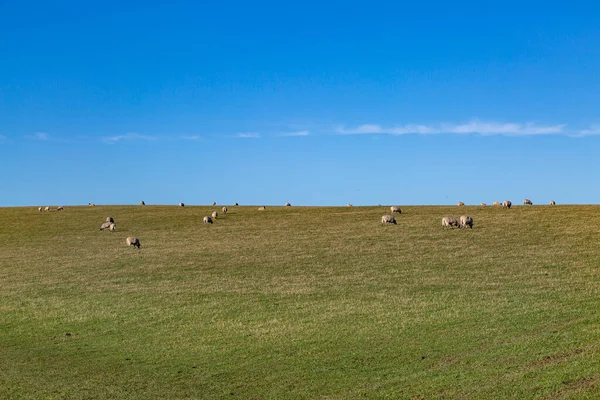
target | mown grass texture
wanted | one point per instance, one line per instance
(300, 303)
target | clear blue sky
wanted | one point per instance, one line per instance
(315, 103)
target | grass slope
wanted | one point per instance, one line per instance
(300, 303)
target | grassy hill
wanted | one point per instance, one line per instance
(300, 303)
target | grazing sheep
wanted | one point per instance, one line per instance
(40, 209)
(214, 203)
(110, 220)
(552, 203)
(207, 220)
(181, 205)
(527, 202)
(236, 204)
(142, 203)
(112, 227)
(460, 203)
(262, 208)
(288, 204)
(396, 209)
(105, 225)
(388, 219)
(348, 205)
(215, 214)
(506, 204)
(224, 210)
(47, 209)
(91, 205)
(449, 222)
(133, 241)
(60, 208)
(378, 205)
(465, 221)
(483, 204)
(497, 203)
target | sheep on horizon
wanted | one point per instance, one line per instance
(527, 202)
(460, 203)
(60, 208)
(47, 208)
(262, 208)
(142, 203)
(497, 203)
(288, 204)
(552, 203)
(181, 205)
(506, 204)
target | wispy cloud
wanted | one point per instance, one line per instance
(295, 134)
(39, 136)
(126, 137)
(192, 137)
(593, 131)
(248, 135)
(473, 127)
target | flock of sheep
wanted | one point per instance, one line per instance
(447, 222)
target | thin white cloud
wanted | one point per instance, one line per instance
(295, 134)
(473, 127)
(192, 137)
(248, 135)
(126, 137)
(39, 136)
(593, 131)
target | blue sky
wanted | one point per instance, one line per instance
(317, 103)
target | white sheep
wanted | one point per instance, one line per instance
(47, 209)
(460, 203)
(112, 227)
(465, 221)
(527, 202)
(449, 222)
(552, 203)
(181, 205)
(214, 203)
(110, 220)
(142, 203)
(40, 209)
(224, 210)
(60, 208)
(388, 219)
(215, 215)
(288, 204)
(105, 225)
(207, 220)
(262, 208)
(396, 209)
(133, 241)
(506, 204)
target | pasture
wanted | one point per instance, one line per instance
(300, 303)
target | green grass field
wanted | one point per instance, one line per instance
(300, 303)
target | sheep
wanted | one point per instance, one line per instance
(112, 227)
(288, 204)
(262, 208)
(506, 204)
(142, 203)
(181, 205)
(91, 205)
(460, 203)
(449, 222)
(106, 225)
(497, 203)
(527, 202)
(236, 204)
(215, 214)
(388, 219)
(552, 203)
(133, 241)
(110, 220)
(465, 221)
(396, 209)
(214, 203)
(378, 205)
(224, 210)
(207, 220)
(348, 205)
(47, 208)
(40, 209)
(60, 208)
(483, 204)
